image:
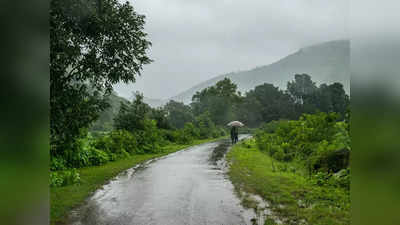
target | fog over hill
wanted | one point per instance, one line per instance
(326, 63)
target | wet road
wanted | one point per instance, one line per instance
(182, 188)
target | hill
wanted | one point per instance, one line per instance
(326, 63)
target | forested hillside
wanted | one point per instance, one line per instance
(326, 63)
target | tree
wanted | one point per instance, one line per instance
(323, 98)
(249, 111)
(132, 116)
(178, 114)
(265, 103)
(219, 100)
(340, 100)
(205, 124)
(160, 116)
(331, 98)
(93, 45)
(301, 88)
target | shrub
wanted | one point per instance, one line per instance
(56, 180)
(205, 125)
(270, 127)
(123, 140)
(191, 130)
(168, 135)
(116, 141)
(183, 137)
(112, 156)
(342, 178)
(150, 138)
(98, 157)
(64, 178)
(57, 163)
(320, 178)
(71, 177)
(279, 154)
(79, 155)
(317, 141)
(215, 133)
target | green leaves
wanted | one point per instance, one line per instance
(93, 45)
(218, 100)
(178, 114)
(64, 178)
(316, 140)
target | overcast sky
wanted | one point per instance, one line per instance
(195, 40)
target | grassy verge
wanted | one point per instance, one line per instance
(63, 199)
(291, 196)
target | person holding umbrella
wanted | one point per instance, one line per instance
(234, 134)
(234, 130)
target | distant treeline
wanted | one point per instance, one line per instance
(223, 103)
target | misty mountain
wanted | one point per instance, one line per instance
(326, 63)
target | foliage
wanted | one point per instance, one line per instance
(301, 88)
(93, 45)
(160, 116)
(148, 139)
(318, 141)
(205, 125)
(57, 163)
(63, 178)
(98, 157)
(131, 115)
(292, 196)
(178, 114)
(340, 179)
(264, 104)
(117, 142)
(218, 100)
(139, 135)
(310, 98)
(56, 180)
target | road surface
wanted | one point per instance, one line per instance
(183, 188)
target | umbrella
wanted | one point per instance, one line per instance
(236, 124)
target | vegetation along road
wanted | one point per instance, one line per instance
(294, 171)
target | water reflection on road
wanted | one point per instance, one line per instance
(181, 188)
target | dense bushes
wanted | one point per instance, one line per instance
(120, 143)
(318, 142)
(117, 142)
(62, 178)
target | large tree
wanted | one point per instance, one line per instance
(178, 114)
(301, 88)
(266, 103)
(219, 100)
(132, 115)
(340, 100)
(93, 45)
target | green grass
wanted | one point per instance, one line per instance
(291, 196)
(63, 199)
